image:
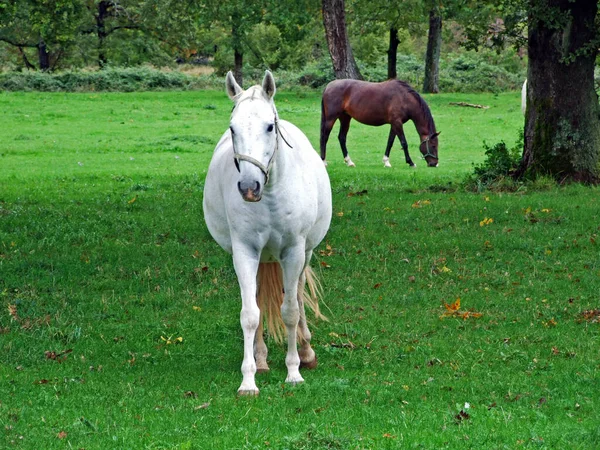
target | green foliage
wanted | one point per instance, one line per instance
(495, 172)
(111, 79)
(474, 72)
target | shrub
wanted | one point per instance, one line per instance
(495, 173)
(110, 79)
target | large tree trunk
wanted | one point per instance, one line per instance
(103, 13)
(43, 56)
(562, 124)
(334, 20)
(432, 57)
(238, 52)
(393, 53)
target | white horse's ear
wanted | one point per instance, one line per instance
(233, 89)
(268, 84)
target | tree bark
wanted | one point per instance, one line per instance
(103, 13)
(334, 21)
(392, 53)
(238, 52)
(562, 124)
(432, 57)
(43, 56)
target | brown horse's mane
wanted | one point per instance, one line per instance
(421, 101)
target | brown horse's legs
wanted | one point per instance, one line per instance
(388, 148)
(390, 142)
(405, 148)
(344, 127)
(326, 126)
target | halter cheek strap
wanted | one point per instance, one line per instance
(426, 142)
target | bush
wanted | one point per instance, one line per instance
(111, 79)
(470, 72)
(495, 173)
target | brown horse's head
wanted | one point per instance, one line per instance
(429, 149)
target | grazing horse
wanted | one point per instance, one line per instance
(267, 201)
(376, 104)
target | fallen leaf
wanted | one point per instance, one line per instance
(421, 203)
(60, 356)
(452, 310)
(591, 315)
(358, 193)
(486, 221)
(454, 306)
(461, 417)
(61, 435)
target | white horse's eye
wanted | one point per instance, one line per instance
(270, 128)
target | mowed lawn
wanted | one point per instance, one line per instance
(456, 319)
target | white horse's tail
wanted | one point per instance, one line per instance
(270, 298)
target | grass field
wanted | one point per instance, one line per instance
(119, 319)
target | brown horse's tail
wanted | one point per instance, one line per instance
(270, 298)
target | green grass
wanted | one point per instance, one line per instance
(104, 257)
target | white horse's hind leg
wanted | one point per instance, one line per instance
(292, 266)
(246, 269)
(308, 359)
(260, 348)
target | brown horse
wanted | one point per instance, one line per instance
(376, 104)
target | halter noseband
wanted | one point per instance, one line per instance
(237, 157)
(426, 142)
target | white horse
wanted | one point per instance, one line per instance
(524, 97)
(267, 200)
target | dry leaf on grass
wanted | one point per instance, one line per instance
(452, 310)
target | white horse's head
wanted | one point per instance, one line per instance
(253, 127)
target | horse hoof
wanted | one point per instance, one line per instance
(262, 369)
(387, 164)
(309, 364)
(413, 166)
(294, 380)
(248, 392)
(349, 162)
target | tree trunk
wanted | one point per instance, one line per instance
(237, 66)
(103, 13)
(334, 20)
(562, 125)
(432, 57)
(393, 53)
(238, 52)
(43, 56)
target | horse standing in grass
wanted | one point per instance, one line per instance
(376, 104)
(267, 200)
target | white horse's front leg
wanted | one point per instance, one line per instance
(292, 267)
(246, 268)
